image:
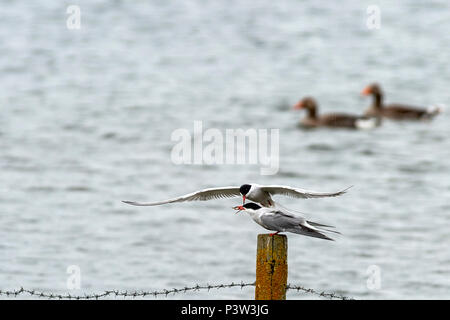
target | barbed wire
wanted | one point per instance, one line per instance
(155, 293)
(330, 295)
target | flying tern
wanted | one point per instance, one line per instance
(254, 192)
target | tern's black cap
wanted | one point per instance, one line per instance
(252, 205)
(244, 189)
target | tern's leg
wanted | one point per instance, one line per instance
(272, 234)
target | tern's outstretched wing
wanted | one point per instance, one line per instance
(202, 195)
(300, 193)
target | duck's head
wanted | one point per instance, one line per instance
(372, 89)
(306, 103)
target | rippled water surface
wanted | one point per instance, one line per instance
(87, 116)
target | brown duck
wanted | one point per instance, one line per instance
(334, 120)
(395, 111)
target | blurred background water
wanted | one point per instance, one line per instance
(87, 115)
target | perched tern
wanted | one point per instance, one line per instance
(253, 192)
(283, 220)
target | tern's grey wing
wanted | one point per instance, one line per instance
(281, 221)
(300, 193)
(202, 195)
(285, 222)
(305, 231)
(296, 214)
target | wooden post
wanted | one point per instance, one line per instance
(271, 267)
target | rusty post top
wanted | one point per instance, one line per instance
(271, 267)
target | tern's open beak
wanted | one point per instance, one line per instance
(238, 208)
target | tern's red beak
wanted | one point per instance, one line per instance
(243, 201)
(238, 208)
(366, 91)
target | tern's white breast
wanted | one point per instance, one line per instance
(256, 216)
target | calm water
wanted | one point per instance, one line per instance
(87, 117)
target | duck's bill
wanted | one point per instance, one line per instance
(366, 91)
(299, 105)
